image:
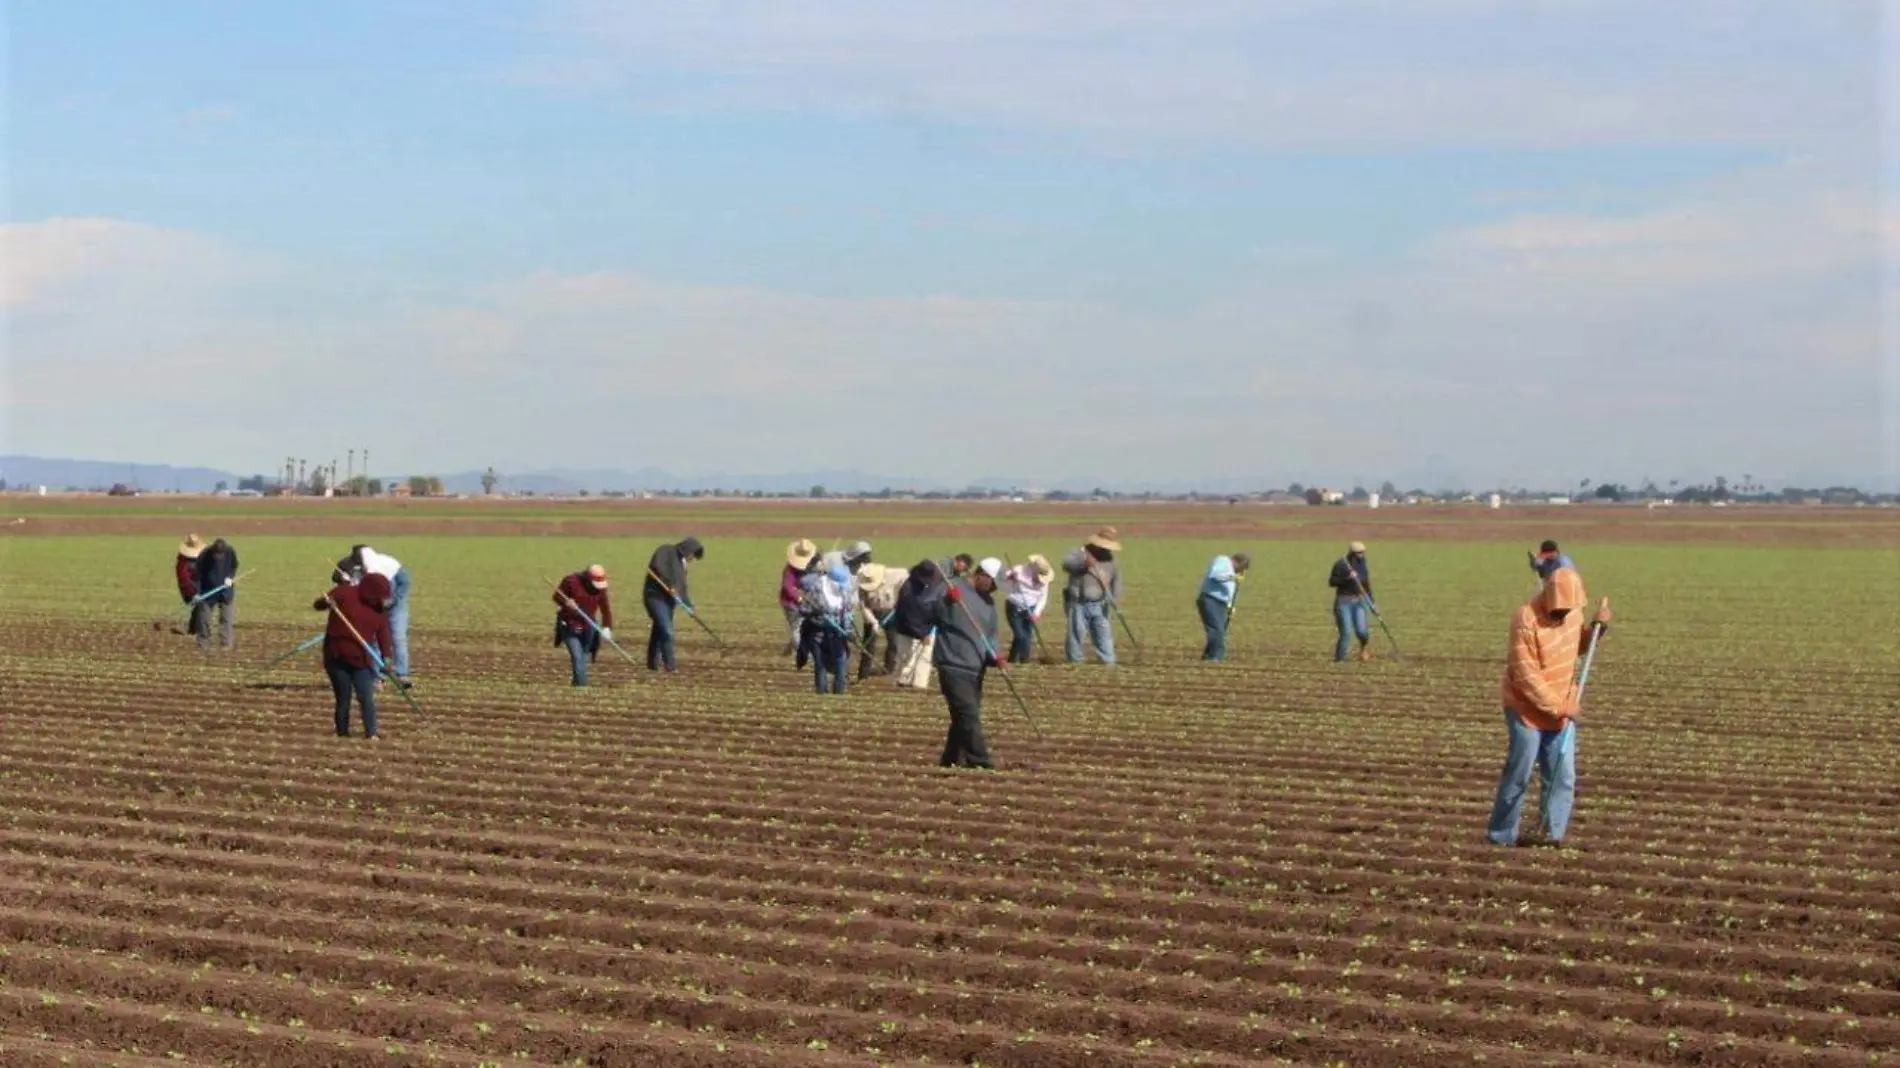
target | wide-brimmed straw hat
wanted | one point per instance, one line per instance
(801, 553)
(597, 575)
(191, 547)
(1044, 572)
(872, 576)
(1105, 540)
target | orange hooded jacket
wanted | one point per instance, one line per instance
(1543, 655)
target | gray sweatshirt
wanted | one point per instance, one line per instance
(959, 648)
(1086, 587)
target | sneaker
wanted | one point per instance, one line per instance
(372, 737)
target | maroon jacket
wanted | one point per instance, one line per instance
(364, 611)
(187, 572)
(592, 601)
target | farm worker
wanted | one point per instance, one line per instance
(877, 595)
(856, 555)
(1351, 581)
(1026, 587)
(1548, 559)
(365, 607)
(582, 597)
(1216, 602)
(185, 570)
(958, 566)
(1547, 638)
(830, 603)
(370, 562)
(966, 643)
(217, 567)
(798, 559)
(913, 623)
(664, 591)
(1095, 585)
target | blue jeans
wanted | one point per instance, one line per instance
(1349, 614)
(661, 639)
(830, 658)
(577, 655)
(1556, 765)
(1088, 621)
(1214, 618)
(1022, 635)
(399, 622)
(347, 679)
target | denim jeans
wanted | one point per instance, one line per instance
(224, 606)
(1089, 621)
(831, 660)
(399, 623)
(1214, 619)
(964, 746)
(661, 639)
(794, 624)
(1022, 635)
(1556, 764)
(577, 655)
(346, 679)
(1349, 614)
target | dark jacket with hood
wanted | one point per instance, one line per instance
(917, 601)
(669, 563)
(217, 563)
(960, 646)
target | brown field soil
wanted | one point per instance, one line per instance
(1272, 861)
(1789, 525)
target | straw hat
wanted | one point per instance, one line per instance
(1104, 540)
(597, 576)
(1356, 548)
(801, 553)
(191, 547)
(1044, 572)
(872, 577)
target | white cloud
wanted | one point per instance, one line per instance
(1737, 330)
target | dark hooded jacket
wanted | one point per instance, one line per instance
(218, 562)
(917, 601)
(669, 563)
(365, 608)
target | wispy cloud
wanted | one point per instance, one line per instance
(1467, 73)
(210, 115)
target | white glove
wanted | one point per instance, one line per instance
(228, 583)
(607, 633)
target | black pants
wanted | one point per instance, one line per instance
(868, 653)
(963, 692)
(345, 679)
(662, 639)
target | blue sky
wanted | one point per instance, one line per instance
(1219, 238)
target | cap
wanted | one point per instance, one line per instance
(1548, 547)
(857, 551)
(597, 575)
(992, 567)
(1357, 548)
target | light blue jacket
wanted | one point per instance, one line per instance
(1221, 583)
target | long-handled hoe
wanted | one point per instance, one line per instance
(718, 642)
(1115, 607)
(592, 625)
(302, 647)
(1043, 655)
(159, 624)
(990, 650)
(1373, 607)
(382, 666)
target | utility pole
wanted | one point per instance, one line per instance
(303, 467)
(366, 465)
(351, 470)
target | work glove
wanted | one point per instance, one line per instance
(992, 660)
(954, 595)
(607, 633)
(228, 583)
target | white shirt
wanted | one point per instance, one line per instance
(375, 563)
(1026, 590)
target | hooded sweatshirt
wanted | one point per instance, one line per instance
(592, 600)
(217, 563)
(186, 571)
(364, 607)
(917, 601)
(1087, 575)
(1543, 652)
(1345, 570)
(961, 647)
(669, 562)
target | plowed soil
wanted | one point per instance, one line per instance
(1275, 860)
